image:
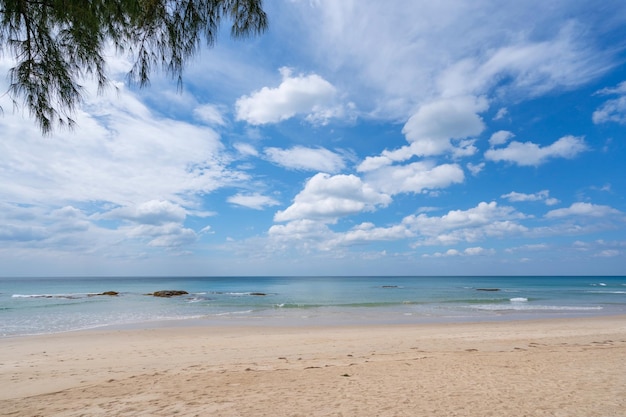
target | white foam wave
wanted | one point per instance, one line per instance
(528, 307)
(66, 296)
(606, 292)
(519, 300)
(229, 313)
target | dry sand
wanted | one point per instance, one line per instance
(573, 367)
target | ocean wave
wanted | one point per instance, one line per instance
(519, 300)
(606, 292)
(64, 296)
(233, 313)
(529, 307)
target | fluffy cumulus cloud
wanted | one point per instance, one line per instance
(254, 201)
(169, 235)
(435, 124)
(329, 197)
(500, 137)
(126, 179)
(152, 212)
(303, 234)
(306, 159)
(158, 223)
(477, 223)
(529, 153)
(36, 224)
(310, 95)
(415, 177)
(433, 83)
(543, 195)
(584, 210)
(367, 232)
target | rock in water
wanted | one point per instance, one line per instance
(168, 293)
(109, 293)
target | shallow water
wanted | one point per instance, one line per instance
(48, 305)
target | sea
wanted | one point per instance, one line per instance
(31, 306)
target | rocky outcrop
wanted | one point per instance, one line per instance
(109, 293)
(258, 293)
(487, 289)
(168, 293)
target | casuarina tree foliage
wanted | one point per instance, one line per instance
(57, 43)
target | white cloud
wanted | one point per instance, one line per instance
(608, 253)
(528, 153)
(152, 212)
(478, 251)
(246, 149)
(484, 220)
(530, 67)
(475, 251)
(368, 232)
(618, 89)
(501, 114)
(415, 177)
(310, 95)
(307, 234)
(210, 114)
(330, 197)
(121, 153)
(613, 110)
(397, 67)
(432, 127)
(583, 209)
(528, 247)
(500, 137)
(311, 159)
(169, 235)
(475, 169)
(543, 195)
(254, 201)
(388, 157)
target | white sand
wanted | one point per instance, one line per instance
(568, 368)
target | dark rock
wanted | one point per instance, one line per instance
(109, 293)
(389, 286)
(258, 293)
(168, 293)
(487, 289)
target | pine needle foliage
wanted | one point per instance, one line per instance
(57, 43)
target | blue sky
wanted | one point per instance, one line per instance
(354, 137)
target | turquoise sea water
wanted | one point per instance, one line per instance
(49, 305)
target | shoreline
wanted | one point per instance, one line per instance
(549, 367)
(331, 321)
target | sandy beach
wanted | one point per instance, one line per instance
(574, 367)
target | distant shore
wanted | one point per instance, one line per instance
(569, 367)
